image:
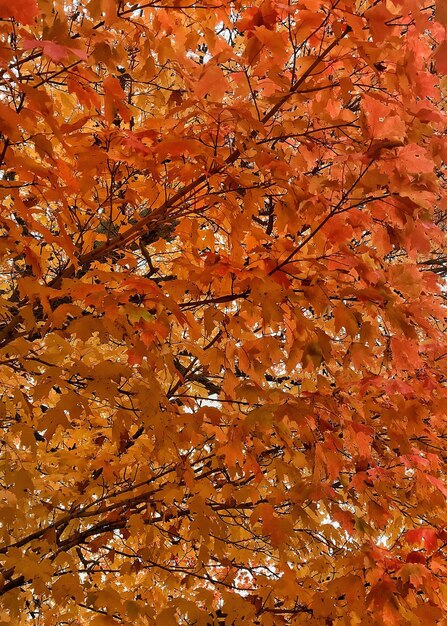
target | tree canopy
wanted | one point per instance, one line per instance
(223, 355)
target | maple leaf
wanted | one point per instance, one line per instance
(55, 51)
(441, 57)
(441, 13)
(414, 159)
(23, 11)
(425, 536)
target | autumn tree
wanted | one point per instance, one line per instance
(223, 358)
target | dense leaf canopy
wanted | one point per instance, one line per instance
(223, 360)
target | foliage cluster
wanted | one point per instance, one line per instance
(223, 358)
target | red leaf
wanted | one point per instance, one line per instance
(55, 51)
(22, 11)
(426, 536)
(416, 557)
(437, 483)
